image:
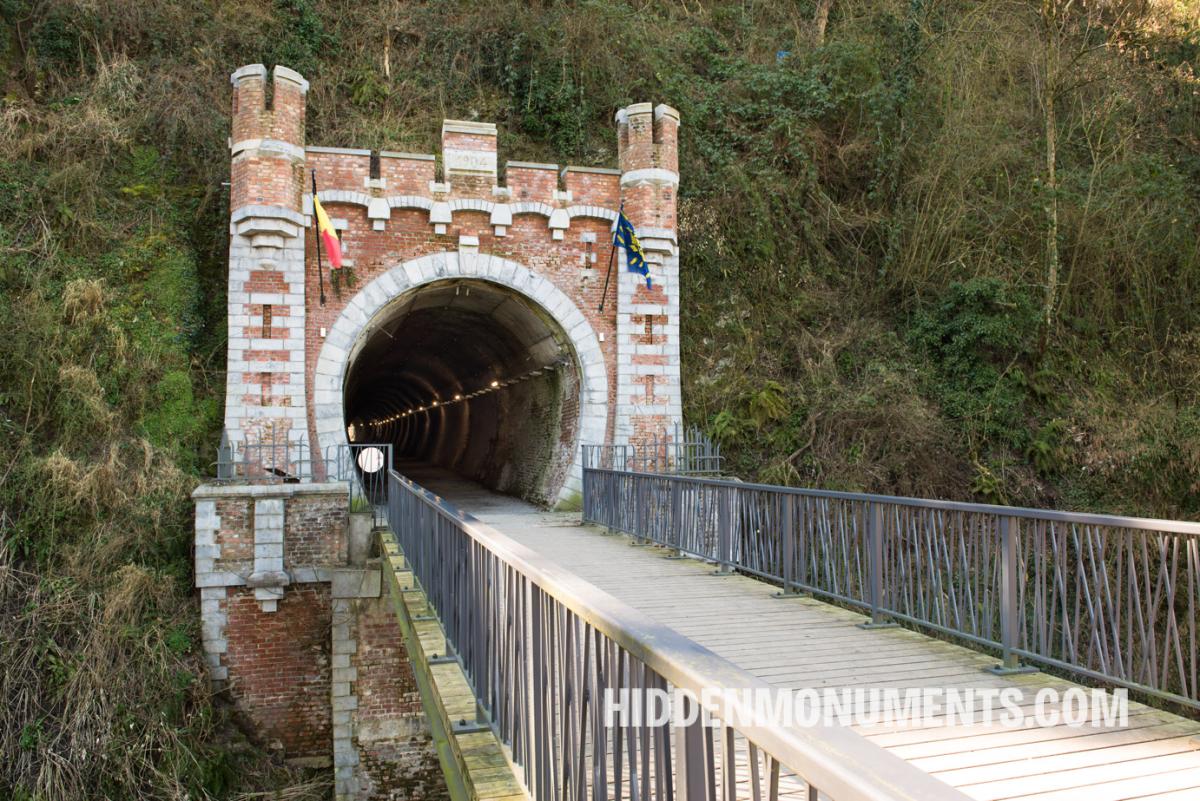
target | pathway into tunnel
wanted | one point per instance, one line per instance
(474, 377)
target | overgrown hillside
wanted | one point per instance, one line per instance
(930, 247)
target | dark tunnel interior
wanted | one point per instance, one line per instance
(473, 377)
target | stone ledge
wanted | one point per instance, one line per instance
(530, 165)
(339, 151)
(468, 127)
(269, 490)
(395, 154)
(592, 170)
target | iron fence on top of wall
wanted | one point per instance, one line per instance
(275, 458)
(688, 452)
(284, 460)
(1112, 598)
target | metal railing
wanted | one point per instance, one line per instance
(364, 466)
(1111, 598)
(277, 459)
(687, 452)
(541, 646)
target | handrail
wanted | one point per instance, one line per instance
(1087, 518)
(1108, 597)
(495, 569)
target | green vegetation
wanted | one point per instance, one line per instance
(938, 248)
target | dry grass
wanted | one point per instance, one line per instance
(102, 697)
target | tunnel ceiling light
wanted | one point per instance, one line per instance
(459, 397)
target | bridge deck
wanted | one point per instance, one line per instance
(801, 642)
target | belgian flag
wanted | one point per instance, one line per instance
(333, 245)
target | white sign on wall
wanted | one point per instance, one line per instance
(469, 161)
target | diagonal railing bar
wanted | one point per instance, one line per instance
(1111, 598)
(540, 647)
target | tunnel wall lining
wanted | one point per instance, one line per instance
(348, 334)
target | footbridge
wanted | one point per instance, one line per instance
(671, 581)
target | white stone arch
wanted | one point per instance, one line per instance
(349, 334)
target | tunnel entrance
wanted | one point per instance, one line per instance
(474, 377)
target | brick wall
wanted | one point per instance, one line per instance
(312, 659)
(278, 667)
(315, 532)
(396, 754)
(575, 265)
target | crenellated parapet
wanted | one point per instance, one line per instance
(469, 181)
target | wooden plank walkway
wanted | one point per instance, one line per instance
(804, 643)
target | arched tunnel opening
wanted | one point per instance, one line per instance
(473, 377)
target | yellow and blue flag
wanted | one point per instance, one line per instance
(625, 236)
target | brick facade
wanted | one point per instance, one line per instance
(396, 209)
(278, 667)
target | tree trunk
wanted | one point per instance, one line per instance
(1051, 215)
(821, 20)
(1049, 93)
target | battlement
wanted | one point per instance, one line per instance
(281, 118)
(648, 139)
(270, 167)
(382, 182)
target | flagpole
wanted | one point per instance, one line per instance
(316, 230)
(611, 258)
(612, 254)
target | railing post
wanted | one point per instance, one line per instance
(787, 534)
(1010, 612)
(676, 528)
(690, 781)
(875, 567)
(725, 530)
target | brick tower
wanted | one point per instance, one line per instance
(648, 389)
(265, 388)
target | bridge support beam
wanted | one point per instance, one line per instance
(474, 762)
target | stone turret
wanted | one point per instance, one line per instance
(648, 155)
(265, 390)
(648, 388)
(267, 151)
